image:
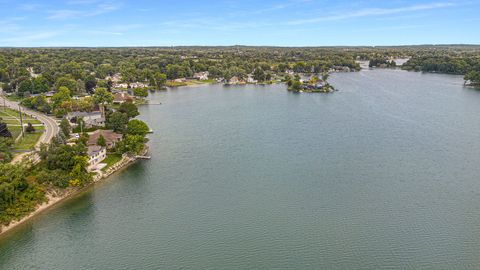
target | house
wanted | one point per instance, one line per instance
(115, 78)
(234, 80)
(111, 138)
(96, 154)
(180, 80)
(91, 119)
(250, 79)
(201, 76)
(121, 97)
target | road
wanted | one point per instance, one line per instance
(51, 126)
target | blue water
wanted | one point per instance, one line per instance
(383, 174)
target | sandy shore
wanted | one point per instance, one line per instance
(54, 198)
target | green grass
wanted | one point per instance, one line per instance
(12, 115)
(14, 98)
(110, 160)
(28, 141)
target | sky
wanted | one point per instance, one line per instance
(104, 23)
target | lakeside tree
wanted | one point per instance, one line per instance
(129, 108)
(473, 77)
(137, 127)
(117, 121)
(140, 92)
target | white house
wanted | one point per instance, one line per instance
(202, 76)
(96, 154)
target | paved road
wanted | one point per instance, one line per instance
(51, 126)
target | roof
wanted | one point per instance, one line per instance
(109, 135)
(83, 114)
(94, 149)
(121, 96)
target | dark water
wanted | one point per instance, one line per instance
(384, 174)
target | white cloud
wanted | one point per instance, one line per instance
(28, 37)
(97, 9)
(371, 12)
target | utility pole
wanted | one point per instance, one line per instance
(21, 120)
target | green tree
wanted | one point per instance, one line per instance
(132, 144)
(101, 141)
(129, 108)
(65, 127)
(137, 127)
(140, 92)
(25, 87)
(160, 79)
(67, 82)
(102, 96)
(40, 85)
(29, 128)
(117, 121)
(63, 94)
(90, 83)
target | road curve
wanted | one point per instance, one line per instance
(51, 126)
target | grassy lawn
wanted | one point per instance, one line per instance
(110, 160)
(12, 119)
(29, 140)
(14, 98)
(10, 115)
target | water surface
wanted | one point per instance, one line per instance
(382, 174)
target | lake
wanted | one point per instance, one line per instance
(383, 174)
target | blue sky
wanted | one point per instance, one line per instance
(244, 22)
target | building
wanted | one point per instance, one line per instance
(121, 97)
(96, 154)
(91, 119)
(250, 79)
(111, 138)
(202, 76)
(234, 80)
(115, 78)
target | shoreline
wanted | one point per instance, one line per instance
(55, 199)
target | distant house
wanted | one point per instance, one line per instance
(96, 154)
(202, 76)
(91, 119)
(121, 97)
(234, 80)
(111, 138)
(115, 78)
(250, 79)
(138, 85)
(180, 80)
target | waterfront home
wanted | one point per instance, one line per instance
(111, 138)
(96, 154)
(180, 80)
(138, 85)
(201, 76)
(250, 79)
(91, 119)
(234, 80)
(121, 97)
